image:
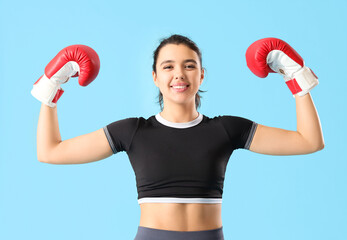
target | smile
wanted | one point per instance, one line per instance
(180, 88)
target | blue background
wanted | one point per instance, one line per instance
(265, 197)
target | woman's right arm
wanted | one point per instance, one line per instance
(86, 148)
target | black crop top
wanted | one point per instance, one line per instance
(180, 162)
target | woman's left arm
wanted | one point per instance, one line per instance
(308, 137)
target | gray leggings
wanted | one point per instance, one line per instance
(144, 233)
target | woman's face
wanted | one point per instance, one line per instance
(178, 64)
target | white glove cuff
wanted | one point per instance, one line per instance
(302, 82)
(45, 90)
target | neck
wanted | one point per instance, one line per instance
(179, 114)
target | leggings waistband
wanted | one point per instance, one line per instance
(145, 233)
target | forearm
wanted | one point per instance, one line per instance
(308, 123)
(48, 135)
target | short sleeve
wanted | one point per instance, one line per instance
(240, 130)
(120, 133)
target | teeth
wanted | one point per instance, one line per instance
(179, 86)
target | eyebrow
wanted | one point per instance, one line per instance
(185, 61)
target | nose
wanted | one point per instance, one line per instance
(179, 74)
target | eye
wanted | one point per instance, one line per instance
(190, 66)
(166, 67)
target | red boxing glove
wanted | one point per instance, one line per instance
(74, 61)
(270, 55)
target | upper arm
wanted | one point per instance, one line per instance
(86, 148)
(277, 141)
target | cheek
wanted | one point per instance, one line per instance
(163, 83)
(164, 79)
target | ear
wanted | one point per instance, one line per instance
(155, 78)
(202, 75)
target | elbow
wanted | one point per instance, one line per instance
(50, 160)
(315, 145)
(319, 147)
(42, 159)
(47, 155)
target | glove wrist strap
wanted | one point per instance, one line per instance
(302, 82)
(47, 91)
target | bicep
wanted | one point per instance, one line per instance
(277, 141)
(86, 148)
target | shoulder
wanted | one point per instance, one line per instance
(230, 119)
(129, 121)
(124, 122)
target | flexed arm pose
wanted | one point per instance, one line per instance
(179, 156)
(274, 55)
(74, 61)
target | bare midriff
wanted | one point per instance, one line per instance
(181, 216)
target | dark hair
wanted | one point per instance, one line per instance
(177, 39)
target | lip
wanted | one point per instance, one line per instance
(180, 89)
(179, 84)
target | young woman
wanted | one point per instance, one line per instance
(179, 155)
